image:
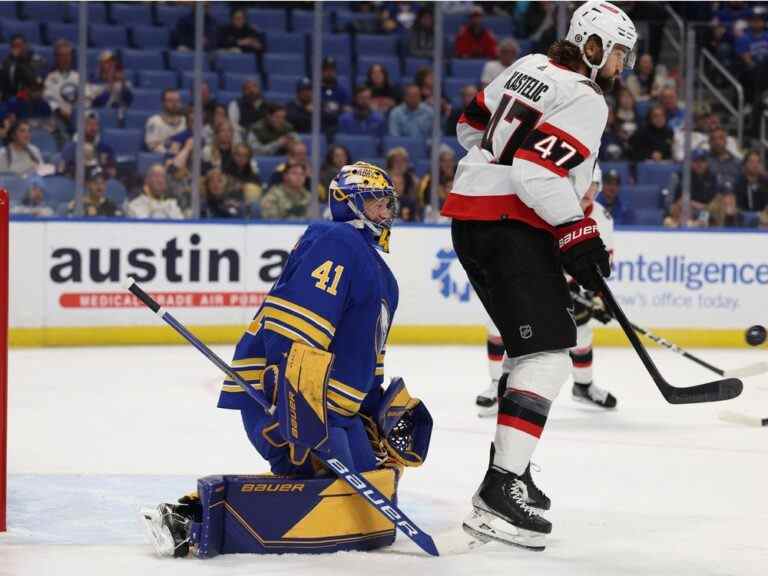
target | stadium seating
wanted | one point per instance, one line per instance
(470, 69)
(284, 64)
(9, 10)
(137, 119)
(44, 140)
(116, 192)
(648, 217)
(147, 37)
(57, 30)
(146, 159)
(285, 42)
(375, 45)
(267, 165)
(304, 21)
(641, 197)
(360, 145)
(238, 63)
(59, 189)
(185, 61)
(125, 142)
(656, 173)
(142, 60)
(391, 63)
(307, 139)
(30, 30)
(131, 14)
(622, 168)
(15, 184)
(104, 36)
(157, 79)
(267, 19)
(234, 82)
(168, 14)
(147, 99)
(188, 80)
(415, 146)
(45, 11)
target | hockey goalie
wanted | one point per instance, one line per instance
(316, 349)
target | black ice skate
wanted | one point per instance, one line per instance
(591, 394)
(501, 511)
(487, 401)
(536, 498)
(168, 528)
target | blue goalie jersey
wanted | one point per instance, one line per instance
(336, 293)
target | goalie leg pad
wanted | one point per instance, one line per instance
(265, 514)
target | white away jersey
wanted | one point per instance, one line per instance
(604, 222)
(533, 135)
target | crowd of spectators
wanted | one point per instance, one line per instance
(255, 160)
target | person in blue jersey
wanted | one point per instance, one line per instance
(323, 327)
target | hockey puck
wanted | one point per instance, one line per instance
(755, 335)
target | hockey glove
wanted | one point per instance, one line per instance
(599, 311)
(581, 249)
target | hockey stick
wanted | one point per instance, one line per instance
(367, 490)
(751, 370)
(710, 392)
(739, 418)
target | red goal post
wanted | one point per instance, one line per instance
(4, 216)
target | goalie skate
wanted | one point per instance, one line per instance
(167, 530)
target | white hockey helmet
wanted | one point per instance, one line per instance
(610, 24)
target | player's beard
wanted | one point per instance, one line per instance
(606, 83)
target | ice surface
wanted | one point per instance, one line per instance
(648, 489)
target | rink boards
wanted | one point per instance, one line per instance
(699, 288)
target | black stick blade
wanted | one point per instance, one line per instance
(716, 391)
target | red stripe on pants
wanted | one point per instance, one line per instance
(520, 424)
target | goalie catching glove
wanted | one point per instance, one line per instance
(581, 250)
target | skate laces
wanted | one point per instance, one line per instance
(517, 491)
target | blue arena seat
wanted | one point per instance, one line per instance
(188, 80)
(116, 191)
(226, 96)
(44, 140)
(130, 14)
(46, 11)
(97, 11)
(304, 20)
(168, 15)
(501, 26)
(108, 117)
(346, 19)
(267, 165)
(656, 173)
(29, 30)
(282, 83)
(375, 160)
(239, 63)
(57, 30)
(234, 82)
(416, 147)
(137, 119)
(146, 159)
(362, 145)
(147, 99)
(284, 64)
(59, 189)
(452, 87)
(279, 97)
(125, 142)
(622, 168)
(157, 79)
(413, 65)
(267, 19)
(183, 60)
(453, 143)
(307, 139)
(374, 45)
(421, 167)
(286, 42)
(104, 36)
(9, 10)
(338, 47)
(142, 60)
(144, 37)
(642, 197)
(15, 184)
(648, 216)
(391, 63)
(467, 68)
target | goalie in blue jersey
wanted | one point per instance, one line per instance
(316, 349)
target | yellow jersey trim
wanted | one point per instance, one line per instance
(301, 311)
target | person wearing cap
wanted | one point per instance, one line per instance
(334, 96)
(474, 40)
(290, 199)
(610, 199)
(104, 154)
(17, 70)
(362, 119)
(250, 107)
(112, 90)
(272, 135)
(299, 110)
(33, 203)
(95, 202)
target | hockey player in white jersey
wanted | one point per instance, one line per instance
(584, 389)
(533, 136)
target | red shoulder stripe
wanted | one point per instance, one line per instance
(563, 135)
(536, 159)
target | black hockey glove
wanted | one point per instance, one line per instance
(580, 250)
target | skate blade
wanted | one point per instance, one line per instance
(487, 411)
(158, 533)
(485, 526)
(588, 402)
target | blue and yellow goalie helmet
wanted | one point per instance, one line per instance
(349, 190)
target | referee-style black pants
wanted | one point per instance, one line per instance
(516, 272)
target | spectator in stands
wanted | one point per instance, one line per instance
(721, 162)
(399, 168)
(751, 188)
(220, 117)
(383, 23)
(183, 37)
(508, 52)
(104, 155)
(95, 202)
(724, 212)
(647, 81)
(209, 106)
(675, 113)
(61, 86)
(705, 122)
(625, 112)
(362, 119)
(154, 201)
(296, 154)
(112, 90)
(239, 35)
(468, 94)
(704, 187)
(30, 105)
(18, 69)
(610, 198)
(33, 202)
(250, 107)
(161, 127)
(412, 118)
(299, 111)
(244, 176)
(385, 94)
(425, 81)
(614, 145)
(421, 37)
(752, 50)
(290, 199)
(474, 40)
(334, 95)
(218, 154)
(447, 170)
(19, 155)
(221, 199)
(336, 158)
(271, 135)
(654, 140)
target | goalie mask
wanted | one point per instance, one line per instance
(609, 23)
(352, 187)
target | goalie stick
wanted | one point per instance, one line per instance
(710, 392)
(341, 469)
(751, 370)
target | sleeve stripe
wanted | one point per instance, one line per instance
(341, 404)
(255, 324)
(339, 410)
(287, 332)
(536, 159)
(464, 119)
(353, 393)
(298, 324)
(248, 362)
(301, 311)
(573, 141)
(480, 99)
